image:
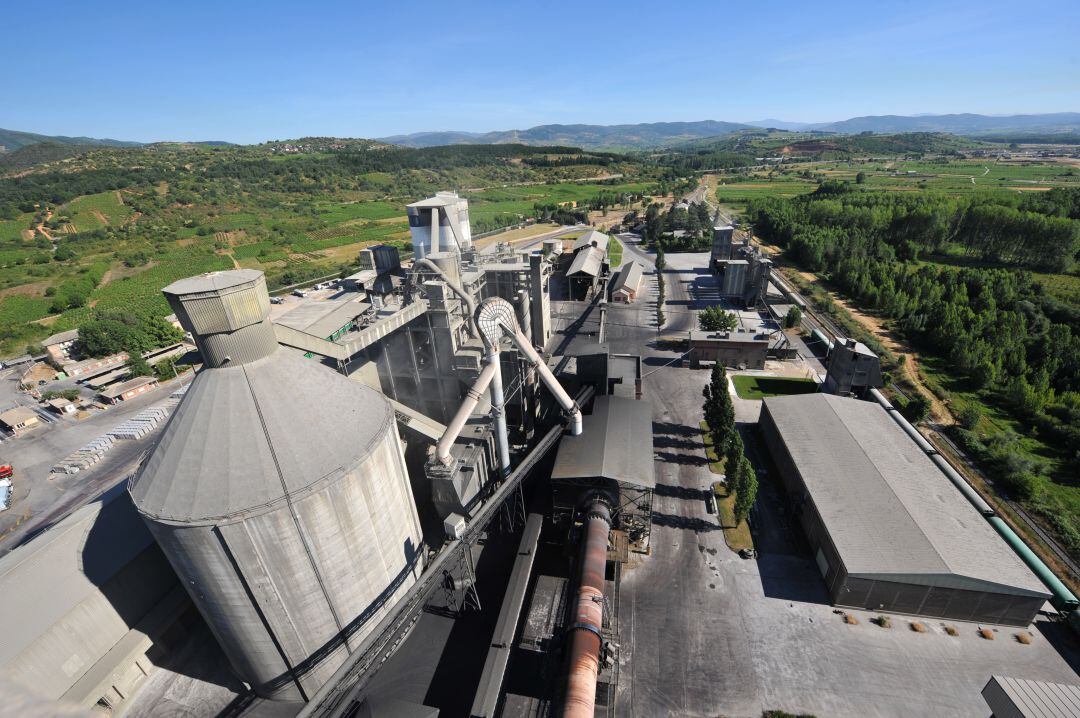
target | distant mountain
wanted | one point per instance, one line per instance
(964, 124)
(780, 124)
(12, 140)
(639, 136)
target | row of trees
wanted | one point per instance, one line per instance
(720, 417)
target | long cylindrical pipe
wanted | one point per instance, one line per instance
(472, 398)
(1062, 598)
(498, 411)
(584, 656)
(553, 385)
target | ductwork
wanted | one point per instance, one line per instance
(495, 319)
(472, 398)
(584, 656)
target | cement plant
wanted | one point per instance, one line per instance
(475, 482)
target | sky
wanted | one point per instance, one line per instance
(250, 72)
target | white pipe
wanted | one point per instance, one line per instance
(434, 230)
(472, 398)
(498, 410)
(553, 385)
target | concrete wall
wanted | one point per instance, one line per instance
(750, 355)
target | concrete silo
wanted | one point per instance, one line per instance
(279, 493)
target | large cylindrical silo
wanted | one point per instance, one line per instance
(279, 493)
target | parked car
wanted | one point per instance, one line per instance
(276, 300)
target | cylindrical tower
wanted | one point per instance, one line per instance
(279, 493)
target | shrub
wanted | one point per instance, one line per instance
(1024, 638)
(951, 630)
(969, 415)
(918, 627)
(850, 619)
(986, 633)
(883, 621)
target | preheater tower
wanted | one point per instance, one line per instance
(279, 493)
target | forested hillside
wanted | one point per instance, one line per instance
(944, 270)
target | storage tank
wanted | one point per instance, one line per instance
(278, 492)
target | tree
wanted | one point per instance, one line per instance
(715, 319)
(746, 494)
(793, 317)
(718, 410)
(860, 178)
(660, 261)
(732, 456)
(916, 409)
(137, 366)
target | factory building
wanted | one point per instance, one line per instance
(440, 224)
(888, 530)
(742, 271)
(128, 389)
(853, 368)
(92, 606)
(59, 347)
(627, 284)
(723, 243)
(587, 263)
(19, 419)
(739, 349)
(279, 494)
(613, 456)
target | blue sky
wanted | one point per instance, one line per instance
(254, 71)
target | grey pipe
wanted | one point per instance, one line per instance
(568, 404)
(498, 411)
(463, 296)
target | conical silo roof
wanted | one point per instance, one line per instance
(244, 435)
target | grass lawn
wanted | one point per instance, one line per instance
(759, 387)
(615, 252)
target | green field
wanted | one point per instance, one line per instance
(758, 387)
(84, 211)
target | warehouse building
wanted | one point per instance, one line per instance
(129, 389)
(888, 531)
(627, 284)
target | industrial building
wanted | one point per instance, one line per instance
(93, 606)
(742, 271)
(888, 530)
(627, 284)
(1019, 698)
(739, 349)
(58, 347)
(128, 389)
(19, 419)
(440, 224)
(853, 369)
(587, 263)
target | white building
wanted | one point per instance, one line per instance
(440, 224)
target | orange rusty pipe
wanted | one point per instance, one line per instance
(584, 657)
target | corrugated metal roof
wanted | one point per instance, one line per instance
(1031, 699)
(587, 261)
(323, 318)
(114, 391)
(629, 276)
(889, 511)
(616, 442)
(591, 237)
(216, 456)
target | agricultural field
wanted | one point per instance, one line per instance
(96, 211)
(125, 222)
